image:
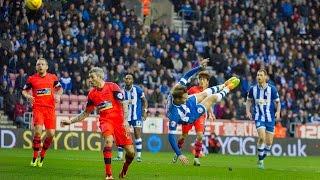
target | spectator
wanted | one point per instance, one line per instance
(239, 39)
(4, 90)
(220, 109)
(66, 82)
(156, 99)
(20, 81)
(19, 110)
(10, 100)
(78, 87)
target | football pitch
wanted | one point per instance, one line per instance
(61, 164)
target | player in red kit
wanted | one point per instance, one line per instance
(203, 80)
(109, 101)
(43, 86)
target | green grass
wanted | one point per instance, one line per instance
(61, 164)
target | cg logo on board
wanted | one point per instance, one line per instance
(154, 143)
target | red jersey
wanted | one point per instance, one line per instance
(195, 89)
(107, 100)
(42, 89)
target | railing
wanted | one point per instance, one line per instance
(27, 118)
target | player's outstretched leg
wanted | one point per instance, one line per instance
(129, 158)
(120, 154)
(231, 84)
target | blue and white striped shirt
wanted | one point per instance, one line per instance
(134, 97)
(263, 100)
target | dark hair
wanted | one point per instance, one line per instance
(178, 91)
(204, 74)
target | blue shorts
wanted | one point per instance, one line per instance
(135, 123)
(268, 126)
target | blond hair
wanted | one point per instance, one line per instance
(98, 71)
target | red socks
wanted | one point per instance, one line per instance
(198, 148)
(107, 154)
(36, 145)
(126, 165)
(46, 144)
(180, 143)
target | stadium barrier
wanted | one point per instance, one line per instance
(233, 145)
(309, 131)
(159, 125)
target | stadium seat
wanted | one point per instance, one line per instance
(73, 98)
(65, 108)
(64, 98)
(81, 106)
(82, 99)
(74, 108)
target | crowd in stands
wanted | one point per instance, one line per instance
(239, 37)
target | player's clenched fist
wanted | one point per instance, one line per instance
(204, 62)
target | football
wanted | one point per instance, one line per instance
(33, 4)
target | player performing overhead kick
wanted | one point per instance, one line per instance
(184, 109)
(109, 100)
(203, 81)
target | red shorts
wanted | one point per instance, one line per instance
(198, 124)
(46, 116)
(117, 129)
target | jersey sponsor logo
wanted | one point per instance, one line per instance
(44, 92)
(262, 101)
(104, 106)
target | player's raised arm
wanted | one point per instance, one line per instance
(185, 78)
